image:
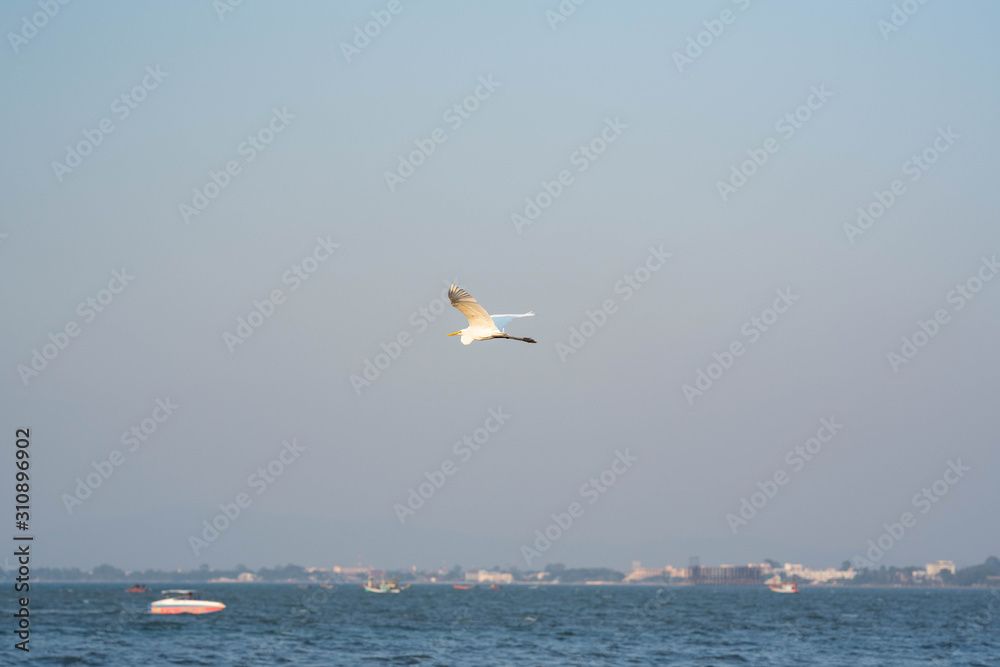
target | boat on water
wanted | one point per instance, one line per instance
(138, 588)
(462, 587)
(784, 587)
(184, 602)
(494, 587)
(384, 586)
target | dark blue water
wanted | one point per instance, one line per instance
(100, 624)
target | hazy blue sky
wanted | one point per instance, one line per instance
(878, 97)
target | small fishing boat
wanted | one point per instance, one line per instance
(184, 602)
(462, 587)
(384, 586)
(494, 587)
(138, 588)
(784, 587)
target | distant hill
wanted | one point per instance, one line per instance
(976, 574)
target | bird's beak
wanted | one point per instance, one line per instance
(454, 334)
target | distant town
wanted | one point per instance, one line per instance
(939, 573)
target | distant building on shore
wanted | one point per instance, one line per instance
(487, 577)
(722, 575)
(824, 576)
(241, 578)
(640, 573)
(934, 570)
(726, 575)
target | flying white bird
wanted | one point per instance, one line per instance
(482, 325)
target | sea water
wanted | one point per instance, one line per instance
(283, 624)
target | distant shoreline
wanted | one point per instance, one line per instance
(517, 584)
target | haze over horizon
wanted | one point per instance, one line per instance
(692, 337)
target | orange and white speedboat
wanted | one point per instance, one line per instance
(184, 602)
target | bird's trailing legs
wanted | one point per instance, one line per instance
(526, 340)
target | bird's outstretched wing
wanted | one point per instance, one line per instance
(501, 320)
(476, 314)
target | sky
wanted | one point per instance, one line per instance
(758, 238)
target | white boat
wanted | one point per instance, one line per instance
(183, 602)
(784, 587)
(384, 586)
